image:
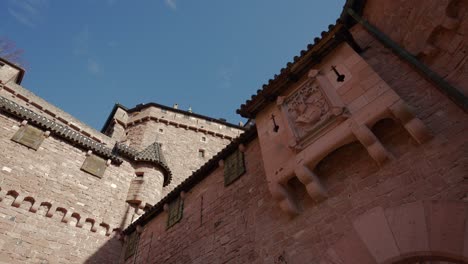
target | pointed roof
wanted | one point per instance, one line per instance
(152, 154)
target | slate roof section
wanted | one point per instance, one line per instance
(313, 55)
(197, 176)
(152, 154)
(58, 130)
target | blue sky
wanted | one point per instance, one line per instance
(84, 56)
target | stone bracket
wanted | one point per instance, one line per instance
(375, 149)
(312, 183)
(413, 125)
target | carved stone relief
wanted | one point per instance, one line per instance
(307, 109)
(310, 109)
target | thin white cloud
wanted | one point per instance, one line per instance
(171, 3)
(93, 66)
(20, 17)
(27, 12)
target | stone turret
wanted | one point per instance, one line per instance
(151, 174)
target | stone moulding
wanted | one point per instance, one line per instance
(58, 130)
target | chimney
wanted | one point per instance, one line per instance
(176, 106)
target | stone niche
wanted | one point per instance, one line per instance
(337, 103)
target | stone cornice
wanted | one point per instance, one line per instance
(58, 130)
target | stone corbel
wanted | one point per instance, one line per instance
(284, 199)
(314, 187)
(412, 124)
(375, 149)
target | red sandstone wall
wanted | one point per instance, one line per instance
(243, 224)
(436, 31)
(51, 176)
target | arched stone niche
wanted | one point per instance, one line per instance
(429, 232)
(321, 113)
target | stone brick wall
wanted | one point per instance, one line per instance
(436, 32)
(51, 211)
(26, 98)
(180, 146)
(243, 224)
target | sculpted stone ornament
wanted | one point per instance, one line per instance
(310, 110)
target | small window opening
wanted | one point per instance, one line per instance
(139, 174)
(201, 153)
(161, 130)
(203, 139)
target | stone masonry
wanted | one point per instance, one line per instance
(358, 154)
(390, 190)
(52, 210)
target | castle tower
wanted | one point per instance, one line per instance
(187, 139)
(151, 174)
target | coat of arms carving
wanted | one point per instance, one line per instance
(310, 109)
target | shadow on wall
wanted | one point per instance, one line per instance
(111, 250)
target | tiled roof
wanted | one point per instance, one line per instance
(57, 129)
(294, 70)
(194, 179)
(152, 154)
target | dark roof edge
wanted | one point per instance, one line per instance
(111, 114)
(203, 172)
(307, 58)
(21, 70)
(59, 130)
(180, 111)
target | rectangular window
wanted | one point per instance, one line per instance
(175, 212)
(94, 165)
(131, 244)
(29, 136)
(234, 167)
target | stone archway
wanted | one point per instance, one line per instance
(423, 232)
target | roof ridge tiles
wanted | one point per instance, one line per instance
(59, 130)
